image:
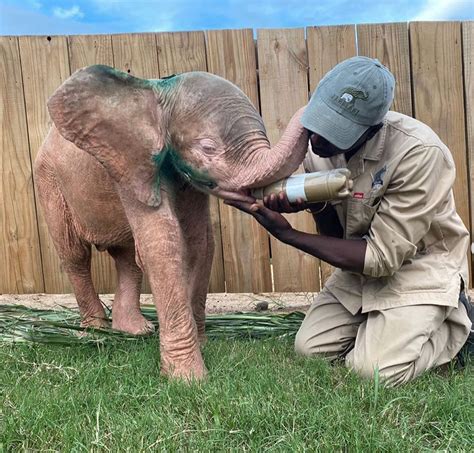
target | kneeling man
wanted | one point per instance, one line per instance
(397, 302)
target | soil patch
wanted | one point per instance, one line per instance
(216, 302)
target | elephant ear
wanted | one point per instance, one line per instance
(117, 119)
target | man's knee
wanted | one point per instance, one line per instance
(391, 372)
(302, 343)
(321, 344)
(328, 329)
(363, 366)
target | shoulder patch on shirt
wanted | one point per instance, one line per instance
(377, 180)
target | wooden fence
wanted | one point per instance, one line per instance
(432, 62)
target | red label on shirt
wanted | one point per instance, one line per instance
(358, 195)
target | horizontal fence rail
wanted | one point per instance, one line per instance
(432, 62)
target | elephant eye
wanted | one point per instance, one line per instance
(208, 145)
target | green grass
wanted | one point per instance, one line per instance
(259, 396)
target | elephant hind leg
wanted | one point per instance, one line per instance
(74, 253)
(201, 284)
(90, 306)
(126, 314)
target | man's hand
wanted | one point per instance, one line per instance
(280, 203)
(271, 220)
(347, 254)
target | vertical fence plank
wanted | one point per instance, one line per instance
(20, 258)
(184, 52)
(45, 66)
(231, 54)
(283, 66)
(468, 60)
(181, 52)
(390, 45)
(328, 46)
(136, 54)
(86, 50)
(438, 94)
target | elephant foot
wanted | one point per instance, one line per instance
(97, 322)
(188, 370)
(202, 338)
(132, 323)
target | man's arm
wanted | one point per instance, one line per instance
(327, 220)
(342, 253)
(324, 214)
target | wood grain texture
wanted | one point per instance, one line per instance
(231, 54)
(20, 255)
(328, 46)
(468, 66)
(389, 43)
(86, 50)
(136, 54)
(181, 52)
(438, 94)
(283, 71)
(184, 52)
(45, 65)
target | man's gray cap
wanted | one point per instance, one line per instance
(354, 95)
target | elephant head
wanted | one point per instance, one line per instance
(198, 123)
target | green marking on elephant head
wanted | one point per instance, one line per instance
(170, 164)
(166, 83)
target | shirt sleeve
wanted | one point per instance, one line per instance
(418, 188)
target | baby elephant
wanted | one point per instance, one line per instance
(128, 167)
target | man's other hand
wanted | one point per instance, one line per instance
(280, 203)
(272, 221)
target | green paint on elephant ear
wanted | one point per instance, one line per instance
(114, 74)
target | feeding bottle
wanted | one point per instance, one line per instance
(311, 187)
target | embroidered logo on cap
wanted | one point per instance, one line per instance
(348, 98)
(351, 94)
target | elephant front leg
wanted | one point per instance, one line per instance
(161, 257)
(196, 226)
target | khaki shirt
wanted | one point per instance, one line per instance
(403, 206)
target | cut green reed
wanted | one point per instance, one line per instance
(24, 324)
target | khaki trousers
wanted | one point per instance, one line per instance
(401, 342)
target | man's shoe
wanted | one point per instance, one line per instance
(467, 351)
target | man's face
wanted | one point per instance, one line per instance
(324, 148)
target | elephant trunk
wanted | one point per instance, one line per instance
(268, 164)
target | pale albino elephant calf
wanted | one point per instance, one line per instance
(128, 167)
